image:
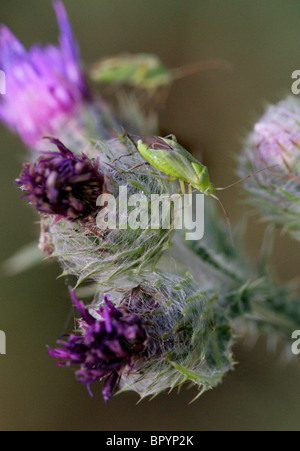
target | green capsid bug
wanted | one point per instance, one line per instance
(169, 157)
(146, 71)
(142, 70)
(172, 159)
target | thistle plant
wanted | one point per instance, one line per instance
(147, 325)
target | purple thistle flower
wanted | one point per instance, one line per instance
(105, 347)
(275, 142)
(43, 85)
(61, 183)
(276, 135)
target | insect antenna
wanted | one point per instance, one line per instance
(193, 68)
(130, 136)
(246, 178)
(226, 216)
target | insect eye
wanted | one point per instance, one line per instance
(210, 189)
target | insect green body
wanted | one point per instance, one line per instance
(174, 160)
(144, 71)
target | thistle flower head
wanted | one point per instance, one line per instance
(61, 183)
(44, 85)
(189, 335)
(275, 141)
(276, 136)
(104, 347)
(157, 335)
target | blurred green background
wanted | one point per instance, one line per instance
(211, 113)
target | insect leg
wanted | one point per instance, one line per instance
(171, 179)
(138, 166)
(172, 137)
(182, 186)
(226, 216)
(191, 194)
(114, 168)
(122, 156)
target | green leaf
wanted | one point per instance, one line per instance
(26, 258)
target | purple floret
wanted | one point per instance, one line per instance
(61, 183)
(44, 85)
(105, 347)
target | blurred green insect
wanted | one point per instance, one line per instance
(142, 70)
(146, 71)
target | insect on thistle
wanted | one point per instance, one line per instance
(169, 157)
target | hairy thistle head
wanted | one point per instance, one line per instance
(275, 142)
(162, 332)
